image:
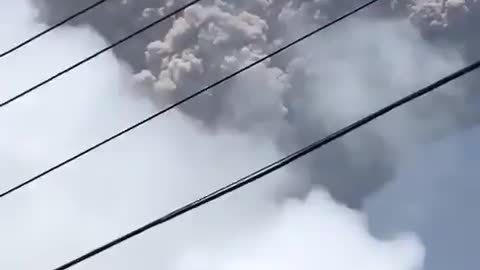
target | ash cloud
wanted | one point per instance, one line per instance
(277, 100)
(311, 91)
(382, 54)
(145, 174)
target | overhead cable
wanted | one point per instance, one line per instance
(53, 27)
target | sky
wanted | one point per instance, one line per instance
(311, 215)
(437, 200)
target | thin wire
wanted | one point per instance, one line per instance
(85, 60)
(273, 166)
(66, 20)
(153, 116)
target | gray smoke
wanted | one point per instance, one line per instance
(305, 93)
(146, 173)
(215, 38)
(277, 107)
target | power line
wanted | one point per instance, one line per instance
(273, 166)
(153, 116)
(85, 60)
(66, 20)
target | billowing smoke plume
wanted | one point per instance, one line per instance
(286, 99)
(167, 163)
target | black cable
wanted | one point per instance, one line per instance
(35, 178)
(51, 28)
(273, 166)
(85, 60)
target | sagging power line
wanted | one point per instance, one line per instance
(100, 52)
(274, 166)
(53, 27)
(188, 98)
